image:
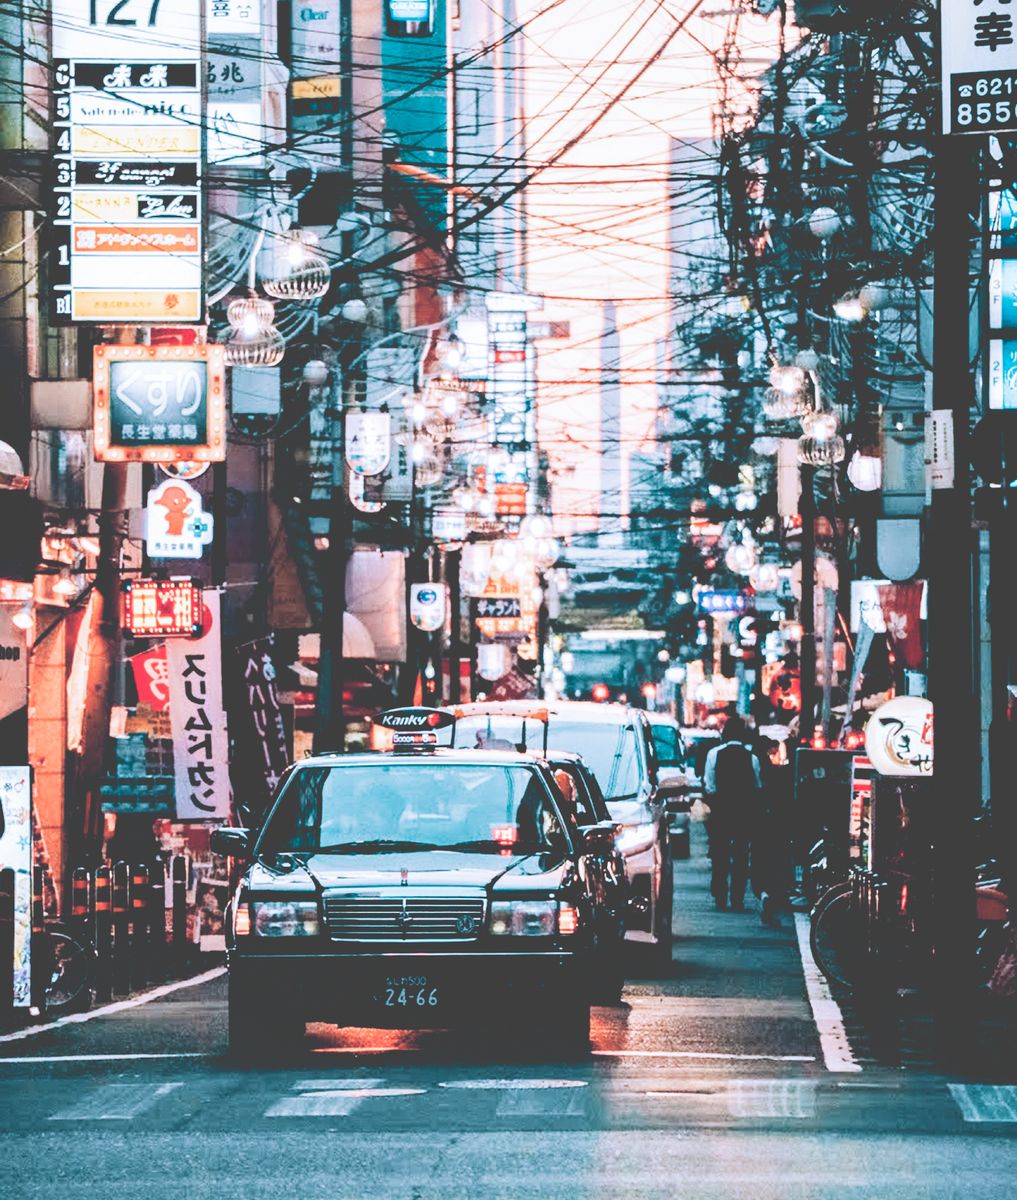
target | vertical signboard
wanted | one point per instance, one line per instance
(198, 719)
(316, 83)
(234, 78)
(269, 746)
(978, 52)
(510, 399)
(16, 857)
(128, 145)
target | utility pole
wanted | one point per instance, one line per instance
(807, 658)
(453, 559)
(955, 785)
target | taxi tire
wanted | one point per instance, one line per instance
(570, 1025)
(259, 1030)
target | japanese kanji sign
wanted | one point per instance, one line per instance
(259, 710)
(159, 403)
(128, 130)
(161, 607)
(151, 678)
(198, 718)
(979, 65)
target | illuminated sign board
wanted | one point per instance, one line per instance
(128, 141)
(176, 524)
(710, 601)
(159, 403)
(162, 608)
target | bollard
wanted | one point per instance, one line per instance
(121, 961)
(179, 910)
(81, 895)
(38, 907)
(103, 932)
(157, 921)
(140, 897)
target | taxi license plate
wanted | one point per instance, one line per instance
(409, 992)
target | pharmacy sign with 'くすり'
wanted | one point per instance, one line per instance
(979, 65)
(159, 403)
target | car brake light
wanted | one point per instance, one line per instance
(601, 692)
(504, 835)
(568, 919)
(242, 920)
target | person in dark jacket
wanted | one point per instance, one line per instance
(772, 861)
(732, 782)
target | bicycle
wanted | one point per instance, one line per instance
(68, 969)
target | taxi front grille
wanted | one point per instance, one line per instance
(404, 919)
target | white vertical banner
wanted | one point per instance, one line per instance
(16, 856)
(198, 720)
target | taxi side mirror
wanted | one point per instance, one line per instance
(230, 843)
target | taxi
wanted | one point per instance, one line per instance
(419, 888)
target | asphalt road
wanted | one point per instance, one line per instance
(712, 1082)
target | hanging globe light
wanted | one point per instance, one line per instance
(789, 380)
(740, 558)
(820, 452)
(779, 406)
(303, 274)
(545, 552)
(820, 424)
(765, 576)
(254, 340)
(865, 470)
(427, 472)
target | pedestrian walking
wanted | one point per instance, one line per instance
(772, 860)
(732, 782)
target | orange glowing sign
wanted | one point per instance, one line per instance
(159, 403)
(162, 608)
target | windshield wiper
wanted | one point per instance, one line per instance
(375, 844)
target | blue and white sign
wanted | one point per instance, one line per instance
(427, 606)
(1002, 373)
(722, 603)
(176, 525)
(368, 442)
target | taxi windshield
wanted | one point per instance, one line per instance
(610, 751)
(398, 806)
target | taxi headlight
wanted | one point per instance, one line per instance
(635, 838)
(284, 918)
(532, 918)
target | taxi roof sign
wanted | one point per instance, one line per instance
(415, 720)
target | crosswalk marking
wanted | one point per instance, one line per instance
(334, 1097)
(985, 1102)
(116, 1102)
(794, 1098)
(528, 1102)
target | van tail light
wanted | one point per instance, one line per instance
(242, 921)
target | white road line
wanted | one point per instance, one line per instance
(107, 1010)
(837, 1052)
(985, 1102)
(708, 1054)
(116, 1102)
(794, 1098)
(337, 1101)
(73, 1058)
(522, 1085)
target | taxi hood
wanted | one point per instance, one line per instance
(415, 869)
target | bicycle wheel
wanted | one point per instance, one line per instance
(837, 941)
(71, 971)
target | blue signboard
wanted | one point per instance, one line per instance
(722, 603)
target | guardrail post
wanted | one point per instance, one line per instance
(179, 909)
(103, 932)
(140, 897)
(121, 969)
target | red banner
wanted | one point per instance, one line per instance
(902, 606)
(151, 677)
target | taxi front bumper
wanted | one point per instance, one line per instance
(396, 988)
